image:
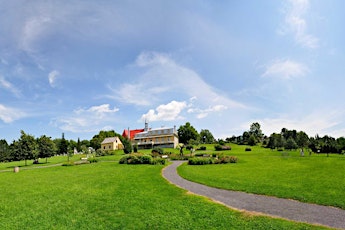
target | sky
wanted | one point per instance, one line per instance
(78, 67)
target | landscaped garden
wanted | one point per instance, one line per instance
(109, 195)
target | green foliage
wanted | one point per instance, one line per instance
(186, 133)
(200, 160)
(92, 159)
(206, 137)
(136, 159)
(158, 161)
(69, 163)
(222, 147)
(203, 148)
(157, 151)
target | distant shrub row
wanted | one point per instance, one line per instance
(210, 160)
(222, 147)
(141, 159)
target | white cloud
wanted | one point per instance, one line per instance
(8, 86)
(285, 69)
(201, 113)
(8, 114)
(167, 112)
(52, 77)
(87, 120)
(296, 23)
(321, 122)
(161, 78)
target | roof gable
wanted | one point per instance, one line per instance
(111, 140)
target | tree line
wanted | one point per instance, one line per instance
(290, 140)
(27, 147)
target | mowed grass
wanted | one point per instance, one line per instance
(107, 195)
(314, 179)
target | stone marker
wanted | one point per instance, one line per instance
(16, 169)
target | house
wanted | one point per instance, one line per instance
(111, 143)
(160, 137)
(127, 133)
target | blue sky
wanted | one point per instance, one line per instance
(78, 67)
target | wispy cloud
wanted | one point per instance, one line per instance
(161, 77)
(325, 122)
(285, 69)
(52, 76)
(87, 120)
(9, 114)
(8, 86)
(167, 112)
(296, 23)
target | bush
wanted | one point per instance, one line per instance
(68, 164)
(200, 161)
(203, 148)
(221, 147)
(92, 160)
(158, 151)
(248, 149)
(175, 157)
(158, 161)
(139, 159)
(226, 159)
(146, 159)
(189, 147)
(233, 159)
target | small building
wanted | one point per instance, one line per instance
(159, 137)
(111, 143)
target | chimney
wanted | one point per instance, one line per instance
(146, 126)
(129, 134)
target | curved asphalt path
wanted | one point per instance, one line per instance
(265, 205)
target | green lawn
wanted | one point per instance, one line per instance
(315, 179)
(107, 195)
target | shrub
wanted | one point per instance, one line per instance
(68, 164)
(146, 159)
(158, 151)
(199, 154)
(189, 147)
(137, 159)
(203, 148)
(92, 160)
(226, 159)
(221, 147)
(175, 157)
(248, 149)
(233, 159)
(158, 161)
(200, 161)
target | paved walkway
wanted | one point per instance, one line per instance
(272, 206)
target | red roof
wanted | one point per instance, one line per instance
(132, 133)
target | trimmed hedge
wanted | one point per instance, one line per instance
(141, 159)
(222, 147)
(210, 160)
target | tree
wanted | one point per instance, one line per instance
(302, 140)
(25, 147)
(252, 140)
(187, 132)
(5, 154)
(290, 144)
(255, 130)
(127, 146)
(206, 136)
(63, 145)
(45, 147)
